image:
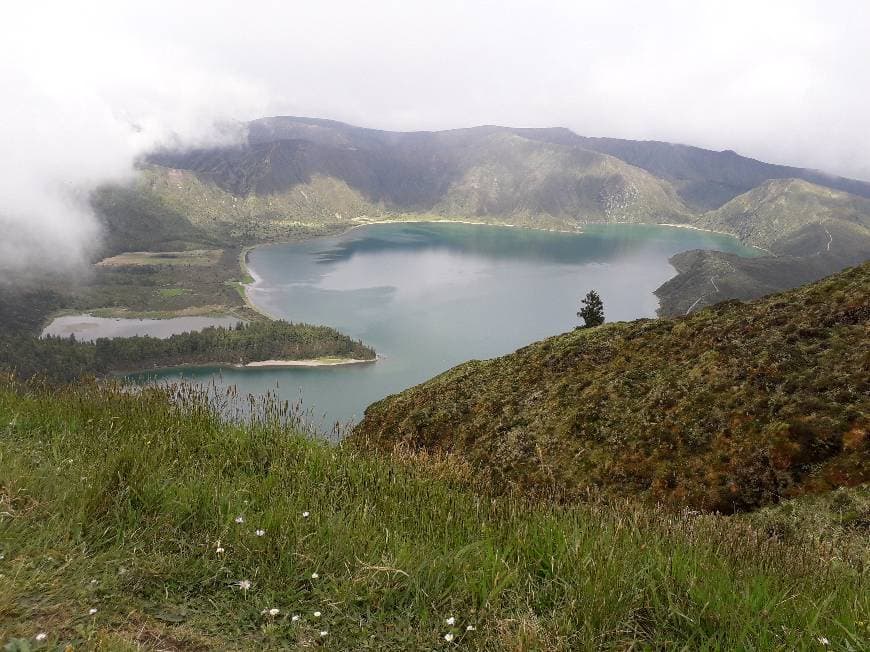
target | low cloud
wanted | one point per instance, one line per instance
(82, 101)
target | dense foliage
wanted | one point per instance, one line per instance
(732, 407)
(130, 505)
(63, 359)
(591, 310)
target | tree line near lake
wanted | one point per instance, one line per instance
(62, 359)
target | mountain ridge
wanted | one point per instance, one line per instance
(673, 161)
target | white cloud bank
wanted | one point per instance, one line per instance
(81, 101)
(782, 80)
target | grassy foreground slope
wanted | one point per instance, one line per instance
(119, 530)
(727, 409)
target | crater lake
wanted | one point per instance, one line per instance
(428, 296)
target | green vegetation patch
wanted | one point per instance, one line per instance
(60, 359)
(139, 258)
(172, 292)
(140, 521)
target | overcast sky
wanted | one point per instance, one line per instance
(89, 85)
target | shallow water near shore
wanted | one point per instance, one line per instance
(430, 296)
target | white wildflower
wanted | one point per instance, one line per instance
(451, 621)
(295, 618)
(93, 582)
(274, 612)
(323, 633)
(470, 628)
(41, 636)
(306, 514)
(92, 611)
(260, 533)
(317, 614)
(240, 519)
(219, 550)
(314, 576)
(244, 585)
(823, 640)
(449, 637)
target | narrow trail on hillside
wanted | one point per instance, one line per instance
(704, 294)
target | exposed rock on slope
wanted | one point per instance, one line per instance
(727, 409)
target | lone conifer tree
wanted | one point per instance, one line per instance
(592, 310)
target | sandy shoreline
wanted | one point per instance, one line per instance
(308, 363)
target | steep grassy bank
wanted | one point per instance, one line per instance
(128, 505)
(727, 409)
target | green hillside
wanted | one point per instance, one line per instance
(730, 408)
(809, 232)
(140, 521)
(473, 173)
(704, 179)
(771, 214)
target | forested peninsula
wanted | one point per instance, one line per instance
(63, 359)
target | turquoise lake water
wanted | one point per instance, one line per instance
(428, 296)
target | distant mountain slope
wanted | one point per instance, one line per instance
(730, 408)
(705, 278)
(772, 214)
(704, 179)
(811, 231)
(464, 173)
(515, 174)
